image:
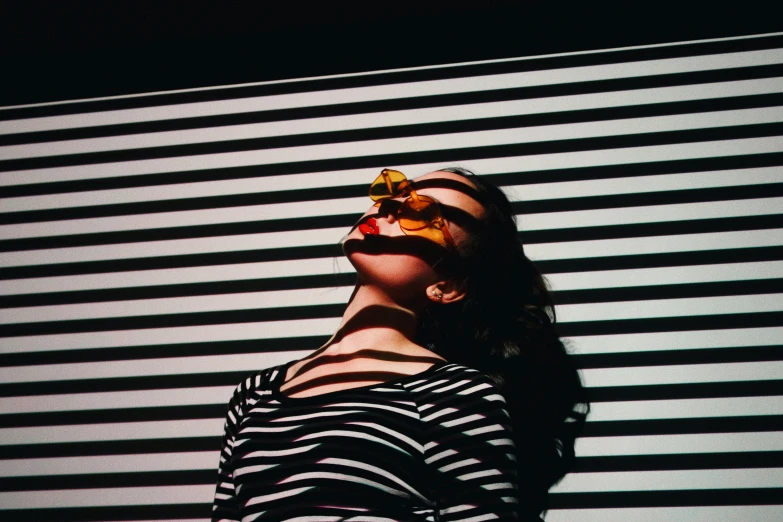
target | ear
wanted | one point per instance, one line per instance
(446, 291)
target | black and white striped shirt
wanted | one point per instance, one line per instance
(431, 446)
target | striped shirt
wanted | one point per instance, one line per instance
(431, 446)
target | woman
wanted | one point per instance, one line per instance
(445, 394)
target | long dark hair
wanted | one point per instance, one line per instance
(505, 328)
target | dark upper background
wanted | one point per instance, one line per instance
(65, 50)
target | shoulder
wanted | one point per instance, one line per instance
(258, 381)
(451, 382)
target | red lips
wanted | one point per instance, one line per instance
(369, 227)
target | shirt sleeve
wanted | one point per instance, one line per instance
(470, 449)
(226, 506)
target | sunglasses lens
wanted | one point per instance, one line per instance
(420, 217)
(389, 184)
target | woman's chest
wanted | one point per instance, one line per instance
(371, 443)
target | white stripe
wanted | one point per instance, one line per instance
(463, 420)
(130, 496)
(685, 408)
(675, 340)
(400, 90)
(686, 373)
(665, 275)
(679, 444)
(316, 415)
(656, 244)
(640, 184)
(178, 305)
(479, 474)
(244, 470)
(649, 214)
(459, 464)
(182, 334)
(735, 304)
(280, 453)
(657, 514)
(109, 464)
(245, 431)
(484, 429)
(376, 470)
(340, 476)
(346, 433)
(367, 405)
(394, 118)
(393, 433)
(678, 480)
(276, 496)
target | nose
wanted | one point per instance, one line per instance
(388, 209)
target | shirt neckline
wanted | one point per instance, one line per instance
(283, 371)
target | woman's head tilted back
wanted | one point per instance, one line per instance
(482, 303)
(505, 327)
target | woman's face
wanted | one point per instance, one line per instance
(402, 264)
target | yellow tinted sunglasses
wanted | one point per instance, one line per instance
(418, 215)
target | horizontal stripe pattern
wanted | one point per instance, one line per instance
(158, 249)
(431, 445)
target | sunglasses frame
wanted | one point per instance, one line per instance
(405, 189)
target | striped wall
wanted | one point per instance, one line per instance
(155, 249)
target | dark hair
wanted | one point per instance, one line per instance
(505, 328)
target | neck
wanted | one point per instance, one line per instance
(372, 320)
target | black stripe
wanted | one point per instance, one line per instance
(652, 392)
(737, 460)
(148, 512)
(424, 102)
(429, 129)
(584, 361)
(733, 460)
(678, 291)
(172, 320)
(223, 317)
(665, 228)
(598, 263)
(179, 290)
(178, 261)
(667, 197)
(110, 447)
(111, 415)
(602, 295)
(672, 324)
(162, 351)
(471, 70)
(679, 498)
(704, 257)
(109, 480)
(675, 357)
(544, 176)
(706, 390)
(155, 382)
(740, 424)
